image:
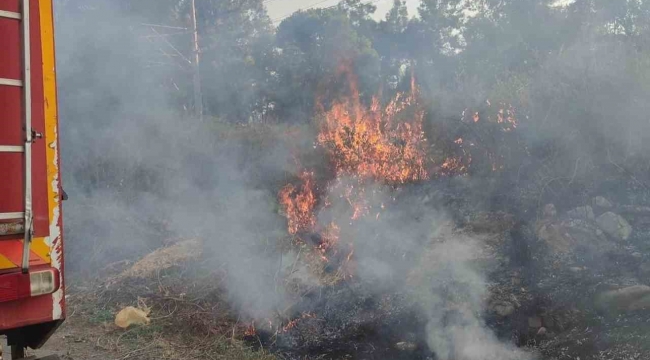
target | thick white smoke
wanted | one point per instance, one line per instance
(413, 248)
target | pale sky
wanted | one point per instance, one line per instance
(280, 8)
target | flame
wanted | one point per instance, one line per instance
(384, 143)
(250, 329)
(299, 204)
(330, 238)
(291, 324)
(364, 143)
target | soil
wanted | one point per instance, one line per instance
(77, 339)
(89, 333)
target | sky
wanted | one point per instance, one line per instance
(280, 8)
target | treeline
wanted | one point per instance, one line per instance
(576, 74)
(575, 77)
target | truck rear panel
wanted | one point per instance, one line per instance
(46, 248)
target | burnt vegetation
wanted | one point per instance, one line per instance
(467, 182)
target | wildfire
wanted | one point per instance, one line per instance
(291, 324)
(250, 329)
(299, 203)
(383, 143)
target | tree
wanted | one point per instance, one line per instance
(312, 45)
(391, 41)
(234, 37)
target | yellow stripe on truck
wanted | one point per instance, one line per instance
(42, 249)
(51, 135)
(42, 246)
(6, 264)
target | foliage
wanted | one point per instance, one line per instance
(575, 75)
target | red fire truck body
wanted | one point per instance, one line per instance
(32, 300)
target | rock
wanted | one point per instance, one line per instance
(541, 331)
(566, 237)
(630, 298)
(490, 222)
(614, 225)
(406, 346)
(556, 237)
(503, 308)
(548, 321)
(582, 212)
(549, 211)
(602, 203)
(635, 210)
(586, 234)
(534, 322)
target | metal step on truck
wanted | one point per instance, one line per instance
(32, 299)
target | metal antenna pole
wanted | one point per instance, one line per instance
(198, 97)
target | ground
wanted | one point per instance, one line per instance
(79, 340)
(89, 333)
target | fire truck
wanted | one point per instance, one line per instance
(32, 299)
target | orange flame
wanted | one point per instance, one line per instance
(372, 143)
(384, 143)
(299, 204)
(250, 329)
(291, 324)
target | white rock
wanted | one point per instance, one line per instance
(630, 298)
(582, 212)
(602, 203)
(614, 225)
(549, 211)
(503, 308)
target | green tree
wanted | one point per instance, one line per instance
(235, 37)
(391, 42)
(312, 46)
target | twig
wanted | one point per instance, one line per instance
(128, 355)
(629, 173)
(168, 315)
(165, 26)
(173, 47)
(541, 193)
(293, 267)
(575, 171)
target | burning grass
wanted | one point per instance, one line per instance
(384, 143)
(363, 144)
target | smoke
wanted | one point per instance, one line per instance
(451, 293)
(404, 245)
(138, 173)
(140, 170)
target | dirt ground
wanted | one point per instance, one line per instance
(89, 333)
(78, 340)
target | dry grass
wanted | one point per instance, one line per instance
(161, 259)
(190, 318)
